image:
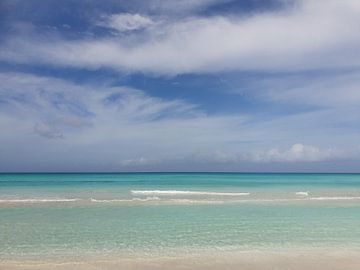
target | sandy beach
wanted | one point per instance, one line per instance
(245, 260)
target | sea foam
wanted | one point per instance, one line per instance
(334, 198)
(37, 200)
(186, 192)
(302, 193)
(154, 198)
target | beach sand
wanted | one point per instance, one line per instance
(245, 260)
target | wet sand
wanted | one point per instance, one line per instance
(245, 260)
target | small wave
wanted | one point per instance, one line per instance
(334, 198)
(105, 201)
(187, 201)
(301, 199)
(186, 192)
(302, 193)
(36, 200)
(154, 198)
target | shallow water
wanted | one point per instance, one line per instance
(67, 214)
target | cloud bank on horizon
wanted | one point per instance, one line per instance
(180, 85)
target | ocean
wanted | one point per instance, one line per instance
(147, 214)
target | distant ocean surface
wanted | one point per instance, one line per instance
(150, 213)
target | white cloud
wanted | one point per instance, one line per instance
(121, 121)
(135, 162)
(298, 152)
(314, 34)
(48, 131)
(332, 90)
(126, 22)
(109, 128)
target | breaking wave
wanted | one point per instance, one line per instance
(186, 192)
(180, 200)
(37, 200)
(302, 193)
(126, 200)
(334, 198)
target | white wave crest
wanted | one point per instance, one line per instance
(154, 198)
(187, 201)
(302, 193)
(186, 192)
(37, 200)
(334, 198)
(111, 200)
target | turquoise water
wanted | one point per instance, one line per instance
(67, 214)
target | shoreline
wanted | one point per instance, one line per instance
(286, 259)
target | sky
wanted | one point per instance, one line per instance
(188, 85)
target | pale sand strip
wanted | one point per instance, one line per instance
(250, 260)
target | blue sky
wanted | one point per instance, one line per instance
(193, 85)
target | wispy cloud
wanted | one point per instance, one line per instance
(327, 90)
(48, 131)
(124, 22)
(312, 35)
(294, 72)
(300, 152)
(296, 153)
(127, 128)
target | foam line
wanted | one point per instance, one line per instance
(125, 200)
(302, 193)
(37, 200)
(334, 198)
(186, 192)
